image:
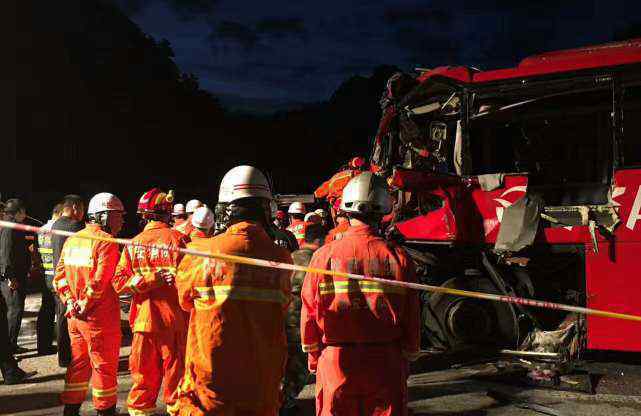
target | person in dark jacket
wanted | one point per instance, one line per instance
(11, 373)
(296, 372)
(46, 315)
(71, 219)
(15, 262)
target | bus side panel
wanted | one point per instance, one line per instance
(614, 286)
(613, 276)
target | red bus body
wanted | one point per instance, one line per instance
(472, 216)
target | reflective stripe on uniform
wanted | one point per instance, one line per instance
(351, 286)
(135, 281)
(77, 386)
(91, 293)
(173, 409)
(104, 392)
(298, 230)
(61, 284)
(339, 177)
(244, 293)
(310, 347)
(154, 269)
(141, 412)
(43, 250)
(79, 253)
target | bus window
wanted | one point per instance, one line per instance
(563, 143)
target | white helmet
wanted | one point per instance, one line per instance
(321, 213)
(192, 205)
(366, 194)
(203, 218)
(179, 209)
(244, 182)
(104, 201)
(296, 208)
(312, 217)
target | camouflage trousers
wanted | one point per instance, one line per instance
(296, 375)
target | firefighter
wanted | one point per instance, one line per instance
(83, 283)
(71, 220)
(325, 219)
(279, 216)
(312, 218)
(280, 235)
(192, 206)
(281, 219)
(333, 187)
(178, 215)
(359, 335)
(236, 348)
(186, 227)
(158, 324)
(297, 223)
(203, 222)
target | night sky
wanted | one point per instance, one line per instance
(285, 52)
(255, 57)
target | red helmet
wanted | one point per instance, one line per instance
(281, 215)
(156, 201)
(356, 163)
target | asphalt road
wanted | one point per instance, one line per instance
(618, 392)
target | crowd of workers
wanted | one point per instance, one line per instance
(219, 337)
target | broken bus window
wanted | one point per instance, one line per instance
(562, 142)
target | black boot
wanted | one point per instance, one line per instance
(72, 410)
(108, 412)
(290, 411)
(13, 374)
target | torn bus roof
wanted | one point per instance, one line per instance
(609, 54)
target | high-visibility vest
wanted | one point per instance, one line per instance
(45, 248)
(298, 227)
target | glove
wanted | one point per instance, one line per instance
(312, 361)
(166, 277)
(14, 284)
(81, 309)
(72, 309)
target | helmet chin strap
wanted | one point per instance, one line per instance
(101, 219)
(229, 213)
(104, 222)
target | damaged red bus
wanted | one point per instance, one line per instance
(523, 181)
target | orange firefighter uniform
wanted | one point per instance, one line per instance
(298, 227)
(333, 187)
(83, 275)
(178, 222)
(197, 234)
(157, 321)
(185, 227)
(236, 348)
(357, 333)
(337, 232)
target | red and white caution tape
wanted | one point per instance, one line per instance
(284, 266)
